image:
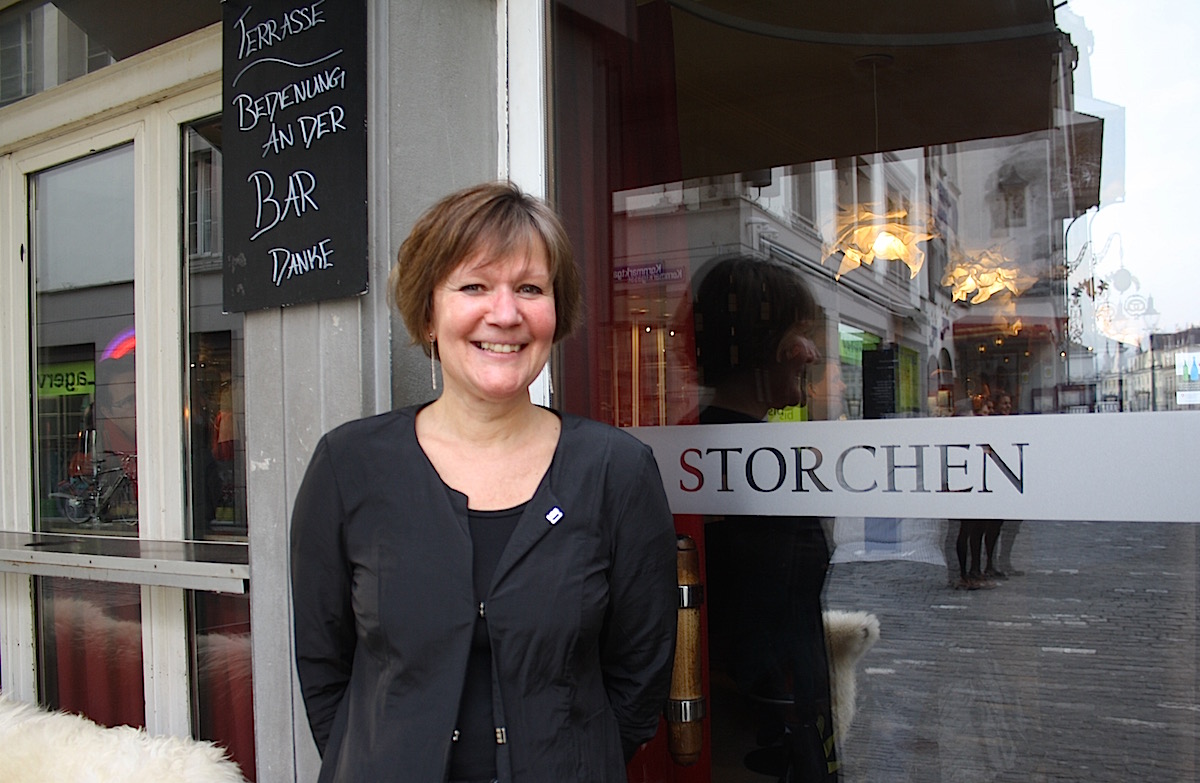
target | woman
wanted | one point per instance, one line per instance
(754, 317)
(484, 589)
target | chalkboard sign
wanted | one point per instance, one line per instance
(294, 152)
(879, 382)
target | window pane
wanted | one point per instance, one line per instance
(84, 375)
(90, 649)
(217, 467)
(45, 44)
(224, 696)
(220, 632)
(16, 57)
(84, 222)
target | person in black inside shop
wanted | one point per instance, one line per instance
(754, 319)
(485, 589)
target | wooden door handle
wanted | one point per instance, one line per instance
(685, 708)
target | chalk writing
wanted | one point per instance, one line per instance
(288, 263)
(294, 116)
(278, 139)
(318, 125)
(256, 37)
(271, 211)
(251, 109)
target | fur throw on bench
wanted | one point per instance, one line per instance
(849, 635)
(59, 747)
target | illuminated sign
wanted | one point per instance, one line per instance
(1187, 378)
(60, 380)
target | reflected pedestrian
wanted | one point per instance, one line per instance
(754, 323)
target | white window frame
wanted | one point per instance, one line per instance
(144, 100)
(523, 68)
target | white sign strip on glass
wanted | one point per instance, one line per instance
(1129, 467)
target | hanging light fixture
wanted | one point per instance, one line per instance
(864, 231)
(984, 273)
(862, 235)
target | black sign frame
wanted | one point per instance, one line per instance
(294, 116)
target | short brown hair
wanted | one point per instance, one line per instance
(743, 307)
(497, 216)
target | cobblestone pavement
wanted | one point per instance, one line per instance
(1081, 668)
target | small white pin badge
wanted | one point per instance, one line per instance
(553, 515)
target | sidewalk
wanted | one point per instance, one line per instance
(1083, 668)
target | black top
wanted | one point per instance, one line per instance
(765, 578)
(474, 754)
(581, 609)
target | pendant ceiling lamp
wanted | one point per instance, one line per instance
(863, 231)
(981, 275)
(862, 235)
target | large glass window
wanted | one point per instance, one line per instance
(951, 216)
(108, 649)
(85, 440)
(83, 230)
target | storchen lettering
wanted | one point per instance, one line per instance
(859, 468)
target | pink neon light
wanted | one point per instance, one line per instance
(125, 342)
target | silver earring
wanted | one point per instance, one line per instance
(432, 364)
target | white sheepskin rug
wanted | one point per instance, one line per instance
(850, 635)
(58, 747)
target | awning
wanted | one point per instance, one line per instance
(759, 84)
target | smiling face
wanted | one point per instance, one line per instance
(494, 320)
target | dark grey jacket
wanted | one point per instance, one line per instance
(581, 611)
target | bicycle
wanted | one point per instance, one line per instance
(108, 496)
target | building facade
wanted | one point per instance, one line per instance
(977, 202)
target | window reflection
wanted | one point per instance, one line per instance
(217, 466)
(90, 649)
(953, 192)
(86, 346)
(982, 254)
(753, 321)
